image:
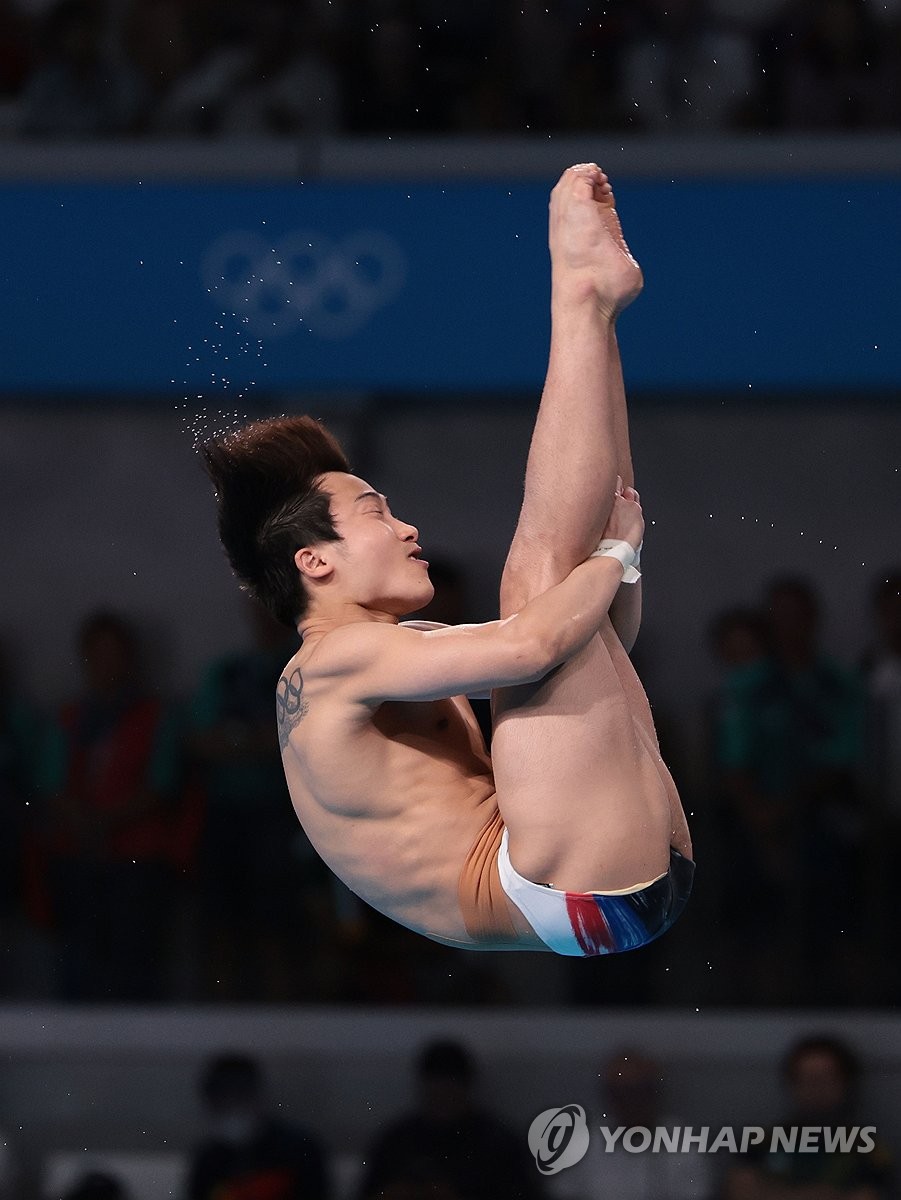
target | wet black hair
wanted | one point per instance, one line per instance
(270, 504)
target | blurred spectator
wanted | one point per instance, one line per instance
(882, 670)
(825, 66)
(821, 1076)
(375, 66)
(592, 95)
(81, 89)
(112, 824)
(540, 38)
(264, 894)
(685, 69)
(738, 638)
(447, 1134)
(420, 1183)
(97, 1185)
(882, 775)
(789, 743)
(468, 74)
(248, 1152)
(379, 962)
(19, 737)
(161, 39)
(386, 70)
(632, 1095)
(16, 49)
(272, 75)
(489, 105)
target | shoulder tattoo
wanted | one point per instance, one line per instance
(290, 705)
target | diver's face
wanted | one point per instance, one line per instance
(377, 564)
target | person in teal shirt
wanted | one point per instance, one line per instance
(789, 736)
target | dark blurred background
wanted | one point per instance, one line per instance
(215, 212)
(141, 68)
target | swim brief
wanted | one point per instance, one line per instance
(585, 924)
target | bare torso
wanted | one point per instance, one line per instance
(393, 798)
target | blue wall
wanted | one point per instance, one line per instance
(105, 288)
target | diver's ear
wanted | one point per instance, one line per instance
(312, 564)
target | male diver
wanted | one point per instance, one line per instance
(570, 836)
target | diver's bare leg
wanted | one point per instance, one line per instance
(582, 798)
(573, 458)
(625, 614)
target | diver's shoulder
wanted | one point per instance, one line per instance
(345, 649)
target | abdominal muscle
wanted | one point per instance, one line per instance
(393, 808)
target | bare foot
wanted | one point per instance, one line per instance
(588, 251)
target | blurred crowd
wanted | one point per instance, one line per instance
(803, 809)
(150, 851)
(99, 68)
(448, 1143)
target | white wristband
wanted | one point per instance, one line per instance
(624, 553)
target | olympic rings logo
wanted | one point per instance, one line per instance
(307, 279)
